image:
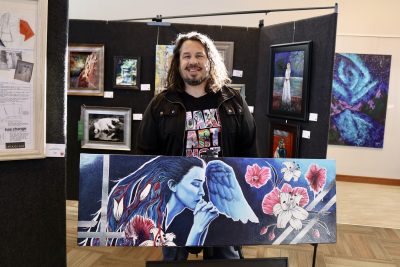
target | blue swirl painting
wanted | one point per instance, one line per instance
(359, 99)
(128, 200)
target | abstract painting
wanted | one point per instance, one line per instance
(359, 99)
(128, 200)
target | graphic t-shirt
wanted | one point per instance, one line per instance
(203, 126)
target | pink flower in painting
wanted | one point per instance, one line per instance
(139, 228)
(316, 178)
(316, 233)
(256, 176)
(287, 205)
(271, 236)
(264, 230)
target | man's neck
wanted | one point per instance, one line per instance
(196, 91)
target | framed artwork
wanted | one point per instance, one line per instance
(23, 50)
(225, 49)
(85, 69)
(126, 72)
(241, 88)
(289, 80)
(106, 128)
(164, 54)
(284, 139)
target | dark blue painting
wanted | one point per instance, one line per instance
(359, 99)
(128, 200)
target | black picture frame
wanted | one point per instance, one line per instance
(286, 133)
(126, 72)
(290, 69)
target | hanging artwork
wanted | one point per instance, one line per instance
(106, 128)
(359, 99)
(284, 139)
(289, 80)
(163, 61)
(23, 46)
(127, 200)
(126, 72)
(241, 88)
(225, 49)
(85, 70)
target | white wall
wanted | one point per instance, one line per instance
(364, 26)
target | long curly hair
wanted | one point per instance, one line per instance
(145, 192)
(218, 73)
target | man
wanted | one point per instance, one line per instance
(198, 115)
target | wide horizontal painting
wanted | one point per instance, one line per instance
(128, 200)
(359, 99)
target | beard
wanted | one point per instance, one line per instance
(194, 81)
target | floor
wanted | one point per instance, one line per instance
(368, 235)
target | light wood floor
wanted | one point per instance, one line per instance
(368, 235)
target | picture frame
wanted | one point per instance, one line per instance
(284, 139)
(164, 55)
(85, 69)
(106, 127)
(126, 72)
(290, 69)
(23, 115)
(226, 49)
(241, 88)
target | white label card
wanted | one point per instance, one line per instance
(313, 117)
(251, 108)
(145, 87)
(306, 134)
(108, 94)
(237, 73)
(55, 150)
(137, 116)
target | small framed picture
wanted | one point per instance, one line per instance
(126, 72)
(23, 71)
(284, 139)
(106, 128)
(226, 49)
(289, 82)
(241, 88)
(85, 69)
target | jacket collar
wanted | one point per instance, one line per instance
(223, 95)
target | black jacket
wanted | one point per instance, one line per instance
(162, 130)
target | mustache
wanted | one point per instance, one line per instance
(193, 65)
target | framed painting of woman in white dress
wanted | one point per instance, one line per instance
(289, 82)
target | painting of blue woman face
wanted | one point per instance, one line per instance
(189, 191)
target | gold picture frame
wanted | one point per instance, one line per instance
(85, 69)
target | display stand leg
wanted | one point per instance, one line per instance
(314, 254)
